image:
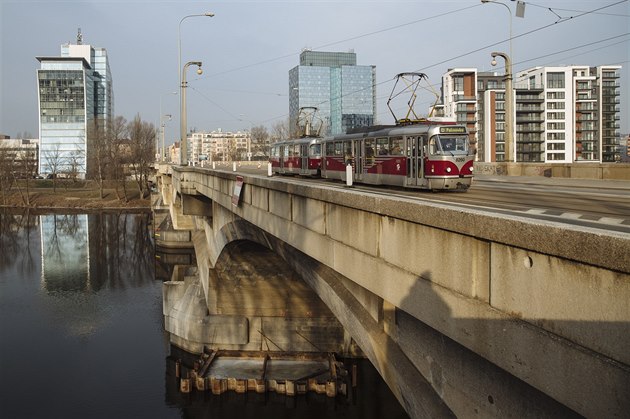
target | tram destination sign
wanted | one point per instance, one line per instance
(452, 130)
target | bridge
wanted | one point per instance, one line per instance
(463, 312)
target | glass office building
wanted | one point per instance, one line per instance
(344, 93)
(75, 94)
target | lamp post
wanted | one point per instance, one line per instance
(162, 124)
(509, 114)
(509, 93)
(182, 126)
(182, 81)
(509, 14)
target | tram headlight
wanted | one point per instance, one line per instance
(448, 170)
(471, 168)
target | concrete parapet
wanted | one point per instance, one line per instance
(582, 170)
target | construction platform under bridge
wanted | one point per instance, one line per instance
(288, 373)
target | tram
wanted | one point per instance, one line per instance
(425, 156)
(423, 153)
(302, 156)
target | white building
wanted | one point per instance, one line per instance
(562, 114)
(75, 94)
(218, 146)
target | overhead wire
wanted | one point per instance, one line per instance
(561, 20)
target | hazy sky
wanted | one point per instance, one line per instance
(248, 48)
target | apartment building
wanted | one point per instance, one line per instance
(562, 114)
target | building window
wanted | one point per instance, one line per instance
(555, 105)
(555, 125)
(555, 115)
(555, 80)
(458, 84)
(555, 95)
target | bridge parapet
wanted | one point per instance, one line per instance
(549, 305)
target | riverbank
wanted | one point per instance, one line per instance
(84, 197)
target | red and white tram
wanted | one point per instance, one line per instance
(302, 156)
(426, 155)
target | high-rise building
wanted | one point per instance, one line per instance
(562, 114)
(343, 92)
(75, 95)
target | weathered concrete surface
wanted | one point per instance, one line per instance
(604, 171)
(249, 300)
(521, 295)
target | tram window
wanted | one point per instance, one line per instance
(369, 148)
(432, 146)
(396, 145)
(347, 147)
(330, 149)
(382, 146)
(316, 149)
(338, 148)
(296, 150)
(448, 144)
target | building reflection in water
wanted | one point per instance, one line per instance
(87, 253)
(65, 252)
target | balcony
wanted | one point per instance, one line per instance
(464, 98)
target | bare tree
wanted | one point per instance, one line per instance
(53, 161)
(6, 173)
(280, 131)
(259, 141)
(118, 151)
(100, 156)
(75, 163)
(27, 169)
(142, 147)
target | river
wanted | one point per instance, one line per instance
(82, 335)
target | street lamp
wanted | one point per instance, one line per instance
(509, 93)
(182, 79)
(182, 127)
(162, 124)
(509, 114)
(168, 117)
(509, 14)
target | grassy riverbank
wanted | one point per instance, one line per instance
(72, 195)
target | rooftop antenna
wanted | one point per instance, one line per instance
(79, 37)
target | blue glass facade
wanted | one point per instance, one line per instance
(343, 92)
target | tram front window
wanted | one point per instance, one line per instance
(450, 145)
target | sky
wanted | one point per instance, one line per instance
(248, 48)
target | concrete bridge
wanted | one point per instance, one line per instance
(464, 313)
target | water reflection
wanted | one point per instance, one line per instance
(17, 241)
(87, 253)
(65, 252)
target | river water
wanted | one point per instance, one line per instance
(82, 335)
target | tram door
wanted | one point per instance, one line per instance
(304, 158)
(415, 161)
(359, 159)
(281, 156)
(411, 147)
